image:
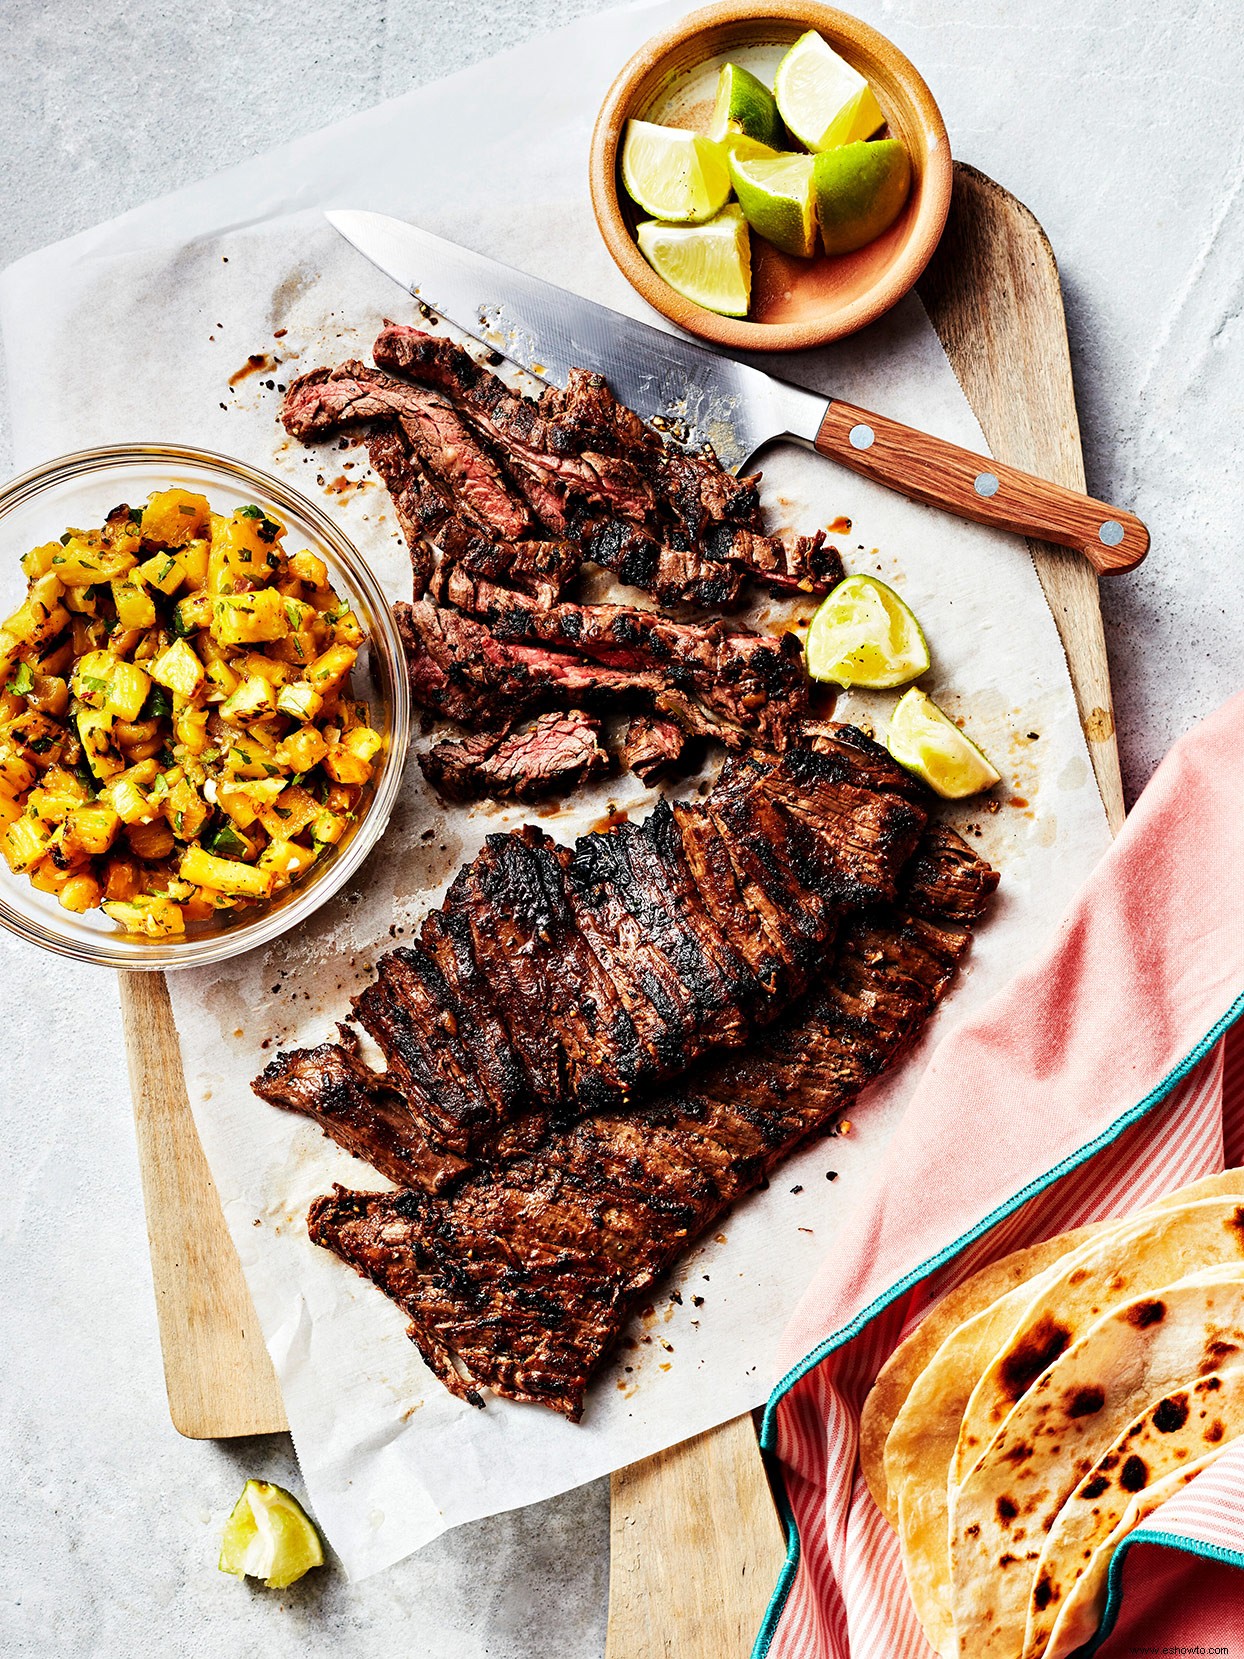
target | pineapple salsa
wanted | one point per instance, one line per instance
(177, 734)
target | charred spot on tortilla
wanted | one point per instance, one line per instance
(1007, 1508)
(1171, 1414)
(1019, 1453)
(1085, 1402)
(1134, 1475)
(1235, 1224)
(1144, 1314)
(1043, 1593)
(1079, 1276)
(1095, 1487)
(1211, 1385)
(973, 1531)
(1217, 1351)
(1035, 1353)
(1215, 1431)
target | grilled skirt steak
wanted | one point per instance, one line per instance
(714, 681)
(650, 747)
(521, 1278)
(552, 756)
(557, 980)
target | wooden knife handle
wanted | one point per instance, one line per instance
(943, 475)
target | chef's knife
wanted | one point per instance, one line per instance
(703, 397)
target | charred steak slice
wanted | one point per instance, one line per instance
(357, 1108)
(326, 401)
(422, 504)
(651, 747)
(753, 682)
(543, 569)
(463, 669)
(552, 756)
(521, 1279)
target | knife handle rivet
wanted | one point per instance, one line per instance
(861, 436)
(985, 484)
(1111, 533)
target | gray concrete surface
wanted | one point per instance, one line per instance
(1120, 124)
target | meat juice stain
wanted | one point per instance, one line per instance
(256, 363)
(840, 526)
(610, 821)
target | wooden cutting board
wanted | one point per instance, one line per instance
(695, 1543)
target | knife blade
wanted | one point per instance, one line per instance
(704, 397)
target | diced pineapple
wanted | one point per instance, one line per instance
(178, 669)
(253, 700)
(164, 572)
(91, 829)
(309, 570)
(175, 517)
(87, 559)
(25, 842)
(48, 876)
(363, 742)
(150, 841)
(135, 606)
(95, 733)
(300, 701)
(286, 861)
(254, 662)
(331, 668)
(344, 767)
(149, 913)
(302, 749)
(190, 726)
(40, 560)
(30, 624)
(81, 893)
(224, 875)
(293, 811)
(329, 826)
(347, 630)
(17, 774)
(249, 618)
(245, 550)
(186, 810)
(10, 810)
(192, 613)
(127, 800)
(250, 755)
(243, 802)
(194, 557)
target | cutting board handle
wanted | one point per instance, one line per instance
(928, 469)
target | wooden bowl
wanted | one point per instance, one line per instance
(796, 303)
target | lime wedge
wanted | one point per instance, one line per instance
(864, 635)
(821, 98)
(777, 196)
(269, 1536)
(744, 106)
(928, 743)
(674, 175)
(710, 264)
(860, 191)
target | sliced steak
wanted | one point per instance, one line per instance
(521, 1279)
(326, 401)
(357, 1108)
(651, 747)
(543, 569)
(730, 685)
(422, 504)
(555, 754)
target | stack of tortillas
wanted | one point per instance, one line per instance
(1044, 1408)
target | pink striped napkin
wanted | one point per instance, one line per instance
(1097, 1081)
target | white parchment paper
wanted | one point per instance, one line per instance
(133, 332)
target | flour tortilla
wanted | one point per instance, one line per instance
(909, 1359)
(1141, 1255)
(894, 1381)
(1171, 1435)
(1081, 1613)
(1056, 1433)
(921, 1447)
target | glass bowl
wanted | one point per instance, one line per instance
(79, 490)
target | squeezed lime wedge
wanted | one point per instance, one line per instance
(710, 264)
(744, 106)
(927, 742)
(864, 635)
(680, 177)
(778, 197)
(269, 1536)
(822, 100)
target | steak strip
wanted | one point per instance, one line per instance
(521, 1279)
(550, 757)
(714, 680)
